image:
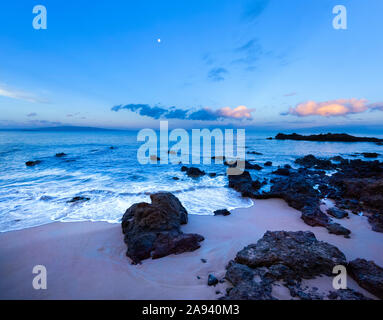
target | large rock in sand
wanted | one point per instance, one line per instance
(153, 230)
(368, 275)
(299, 251)
(281, 257)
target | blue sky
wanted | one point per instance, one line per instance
(256, 63)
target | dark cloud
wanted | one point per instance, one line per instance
(143, 110)
(217, 74)
(204, 114)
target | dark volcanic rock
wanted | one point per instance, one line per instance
(368, 275)
(346, 294)
(311, 161)
(268, 164)
(193, 172)
(153, 230)
(255, 153)
(60, 155)
(282, 172)
(175, 243)
(212, 280)
(330, 137)
(370, 155)
(303, 190)
(300, 251)
(376, 221)
(251, 166)
(32, 163)
(359, 188)
(244, 184)
(223, 212)
(286, 257)
(337, 158)
(336, 228)
(248, 165)
(314, 217)
(78, 199)
(245, 286)
(337, 213)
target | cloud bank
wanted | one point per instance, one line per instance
(204, 114)
(333, 108)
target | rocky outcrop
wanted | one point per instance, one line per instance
(282, 172)
(244, 184)
(193, 172)
(298, 191)
(370, 155)
(248, 165)
(222, 212)
(356, 186)
(346, 294)
(376, 221)
(299, 252)
(255, 153)
(60, 155)
(329, 137)
(286, 258)
(78, 199)
(368, 275)
(153, 229)
(32, 163)
(311, 161)
(337, 213)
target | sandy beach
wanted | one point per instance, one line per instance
(86, 260)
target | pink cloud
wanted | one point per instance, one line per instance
(240, 112)
(340, 107)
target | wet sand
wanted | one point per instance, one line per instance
(86, 260)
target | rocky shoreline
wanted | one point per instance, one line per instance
(280, 257)
(354, 185)
(328, 137)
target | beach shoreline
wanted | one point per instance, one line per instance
(86, 260)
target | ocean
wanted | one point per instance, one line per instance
(113, 179)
